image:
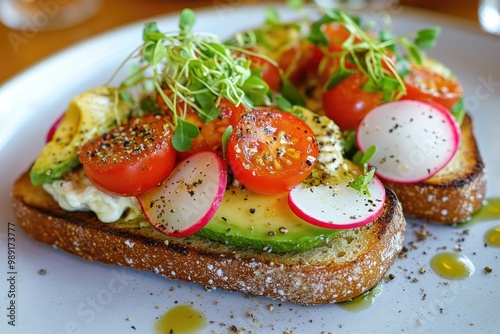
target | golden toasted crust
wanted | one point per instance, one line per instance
(344, 268)
(454, 193)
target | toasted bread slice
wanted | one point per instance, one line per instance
(343, 268)
(454, 193)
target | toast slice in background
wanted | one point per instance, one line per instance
(350, 264)
(455, 192)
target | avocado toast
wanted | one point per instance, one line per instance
(382, 236)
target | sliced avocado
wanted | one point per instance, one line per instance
(262, 222)
(89, 115)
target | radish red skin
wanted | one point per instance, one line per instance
(410, 147)
(195, 188)
(53, 128)
(349, 212)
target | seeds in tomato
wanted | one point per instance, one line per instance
(130, 158)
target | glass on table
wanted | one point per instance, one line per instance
(46, 14)
(489, 15)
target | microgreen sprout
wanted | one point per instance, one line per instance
(361, 182)
(194, 70)
(225, 139)
(273, 38)
(360, 158)
(377, 58)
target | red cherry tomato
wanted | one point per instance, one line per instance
(131, 158)
(291, 62)
(425, 85)
(346, 104)
(269, 72)
(336, 35)
(210, 137)
(271, 151)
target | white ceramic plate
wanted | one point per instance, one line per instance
(75, 296)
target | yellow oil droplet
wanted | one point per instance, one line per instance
(452, 265)
(363, 301)
(181, 319)
(492, 237)
(489, 211)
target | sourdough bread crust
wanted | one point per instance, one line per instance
(349, 265)
(454, 193)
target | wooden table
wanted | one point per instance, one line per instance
(20, 49)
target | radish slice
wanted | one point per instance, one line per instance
(337, 206)
(53, 128)
(189, 197)
(414, 140)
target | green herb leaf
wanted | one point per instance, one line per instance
(205, 99)
(371, 86)
(209, 114)
(349, 143)
(361, 182)
(214, 49)
(385, 36)
(160, 51)
(272, 17)
(316, 34)
(225, 139)
(389, 86)
(187, 21)
(339, 75)
(148, 51)
(283, 103)
(426, 38)
(182, 139)
(415, 54)
(403, 66)
(458, 111)
(150, 32)
(148, 104)
(291, 93)
(255, 89)
(127, 97)
(361, 158)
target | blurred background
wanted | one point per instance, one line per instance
(23, 47)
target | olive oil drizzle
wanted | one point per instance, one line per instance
(364, 300)
(452, 265)
(492, 237)
(489, 211)
(181, 319)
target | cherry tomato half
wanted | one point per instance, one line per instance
(425, 85)
(347, 104)
(271, 151)
(131, 158)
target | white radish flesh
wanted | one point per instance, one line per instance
(337, 206)
(414, 140)
(189, 197)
